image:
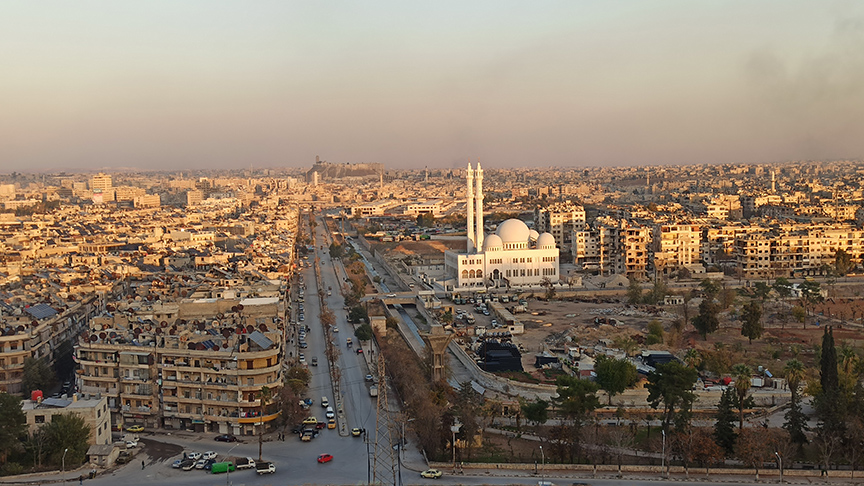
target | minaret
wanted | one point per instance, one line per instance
(478, 199)
(469, 205)
(773, 183)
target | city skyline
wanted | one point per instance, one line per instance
(202, 86)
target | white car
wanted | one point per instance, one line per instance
(193, 455)
(209, 455)
(200, 463)
(130, 444)
(335, 329)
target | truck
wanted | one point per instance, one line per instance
(373, 391)
(245, 463)
(265, 468)
(221, 467)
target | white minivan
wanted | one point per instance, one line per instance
(330, 414)
(324, 402)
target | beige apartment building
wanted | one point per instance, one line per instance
(613, 247)
(561, 220)
(675, 246)
(196, 365)
(92, 408)
(36, 331)
(794, 251)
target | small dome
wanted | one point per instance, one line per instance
(492, 243)
(533, 235)
(546, 240)
(513, 231)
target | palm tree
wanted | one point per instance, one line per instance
(794, 372)
(742, 374)
(693, 358)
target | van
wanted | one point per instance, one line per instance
(221, 467)
(330, 414)
(324, 402)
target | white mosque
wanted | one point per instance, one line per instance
(513, 256)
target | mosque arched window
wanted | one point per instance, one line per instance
(471, 274)
(464, 274)
(479, 273)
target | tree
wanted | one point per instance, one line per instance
(671, 384)
(724, 430)
(37, 375)
(536, 411)
(742, 374)
(706, 452)
(550, 288)
(711, 288)
(67, 431)
(693, 358)
(800, 315)
(811, 294)
(761, 290)
(634, 292)
(843, 262)
(796, 421)
(752, 449)
(794, 372)
(357, 314)
(363, 332)
(829, 403)
(783, 287)
(13, 425)
(707, 321)
(288, 401)
(335, 250)
(751, 315)
(614, 375)
(576, 397)
(658, 292)
(655, 332)
(425, 220)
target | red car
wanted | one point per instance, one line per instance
(359, 350)
(324, 458)
(321, 425)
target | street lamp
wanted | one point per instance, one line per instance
(228, 469)
(63, 465)
(454, 428)
(780, 465)
(543, 458)
(663, 459)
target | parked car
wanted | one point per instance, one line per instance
(245, 463)
(209, 455)
(226, 438)
(431, 474)
(265, 468)
(193, 455)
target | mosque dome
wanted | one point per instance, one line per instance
(533, 235)
(513, 231)
(493, 243)
(546, 240)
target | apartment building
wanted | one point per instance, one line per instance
(92, 408)
(561, 220)
(199, 364)
(36, 331)
(612, 246)
(675, 246)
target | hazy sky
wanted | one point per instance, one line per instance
(196, 84)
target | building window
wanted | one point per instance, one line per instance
(39, 419)
(464, 274)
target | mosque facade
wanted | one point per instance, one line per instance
(513, 256)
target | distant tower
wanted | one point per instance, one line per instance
(648, 179)
(773, 182)
(469, 205)
(315, 178)
(427, 175)
(381, 181)
(478, 240)
(317, 159)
